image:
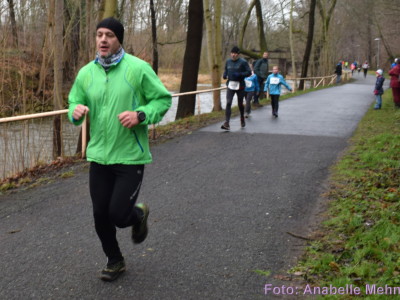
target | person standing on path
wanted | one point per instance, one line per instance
(395, 83)
(261, 69)
(122, 95)
(378, 91)
(338, 72)
(365, 68)
(273, 87)
(236, 70)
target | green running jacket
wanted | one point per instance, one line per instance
(130, 84)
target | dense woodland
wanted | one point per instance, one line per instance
(44, 43)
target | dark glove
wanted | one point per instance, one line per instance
(376, 92)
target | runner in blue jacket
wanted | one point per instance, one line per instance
(273, 87)
(251, 90)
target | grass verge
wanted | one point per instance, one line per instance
(360, 245)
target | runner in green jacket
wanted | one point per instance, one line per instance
(129, 85)
(121, 94)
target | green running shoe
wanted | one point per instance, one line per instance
(112, 271)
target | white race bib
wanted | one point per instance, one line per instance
(234, 85)
(249, 83)
(274, 80)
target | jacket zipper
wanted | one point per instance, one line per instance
(137, 140)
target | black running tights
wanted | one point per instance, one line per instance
(229, 99)
(114, 190)
(275, 103)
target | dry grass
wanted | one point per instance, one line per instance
(172, 79)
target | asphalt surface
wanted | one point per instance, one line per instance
(221, 204)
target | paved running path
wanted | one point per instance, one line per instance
(221, 206)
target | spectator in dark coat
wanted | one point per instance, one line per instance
(338, 72)
(395, 83)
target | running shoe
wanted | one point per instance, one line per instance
(112, 271)
(225, 126)
(139, 231)
(242, 122)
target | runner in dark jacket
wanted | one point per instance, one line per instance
(236, 70)
(261, 69)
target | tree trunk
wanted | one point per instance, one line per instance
(88, 31)
(13, 22)
(321, 53)
(101, 11)
(244, 26)
(216, 79)
(58, 77)
(191, 60)
(213, 48)
(107, 8)
(260, 28)
(110, 8)
(292, 45)
(310, 37)
(154, 36)
(46, 54)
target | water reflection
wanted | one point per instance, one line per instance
(26, 144)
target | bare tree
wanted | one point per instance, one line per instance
(310, 36)
(214, 44)
(13, 22)
(191, 60)
(321, 52)
(260, 29)
(46, 51)
(154, 36)
(58, 77)
(293, 59)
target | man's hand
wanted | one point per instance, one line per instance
(128, 119)
(80, 111)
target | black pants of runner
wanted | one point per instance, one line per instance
(275, 103)
(114, 190)
(260, 94)
(249, 96)
(229, 99)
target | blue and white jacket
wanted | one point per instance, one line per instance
(251, 84)
(273, 84)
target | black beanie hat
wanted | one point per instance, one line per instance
(235, 49)
(115, 26)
